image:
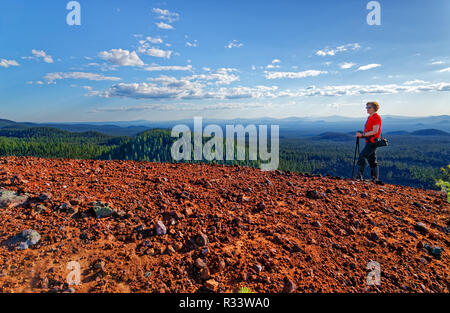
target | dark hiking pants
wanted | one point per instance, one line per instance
(368, 154)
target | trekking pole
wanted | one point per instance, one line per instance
(354, 158)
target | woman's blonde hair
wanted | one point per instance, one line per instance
(375, 105)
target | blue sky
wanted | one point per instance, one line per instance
(166, 60)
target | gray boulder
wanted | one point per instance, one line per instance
(9, 198)
(23, 240)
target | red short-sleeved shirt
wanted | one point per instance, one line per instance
(371, 122)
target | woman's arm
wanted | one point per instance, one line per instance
(373, 132)
(368, 134)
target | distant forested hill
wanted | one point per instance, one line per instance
(151, 145)
(16, 140)
(155, 146)
(108, 129)
(430, 132)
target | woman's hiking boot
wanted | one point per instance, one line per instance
(375, 173)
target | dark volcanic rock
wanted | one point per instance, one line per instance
(314, 194)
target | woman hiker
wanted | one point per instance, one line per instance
(372, 131)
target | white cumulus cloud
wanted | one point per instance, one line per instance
(192, 44)
(156, 52)
(309, 73)
(52, 77)
(41, 54)
(234, 44)
(355, 90)
(185, 91)
(368, 67)
(415, 82)
(346, 65)
(334, 51)
(166, 15)
(155, 40)
(8, 63)
(163, 25)
(121, 57)
(191, 87)
(169, 68)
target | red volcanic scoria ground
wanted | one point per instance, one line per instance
(151, 227)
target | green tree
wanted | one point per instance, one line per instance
(444, 182)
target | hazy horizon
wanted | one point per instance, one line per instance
(241, 118)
